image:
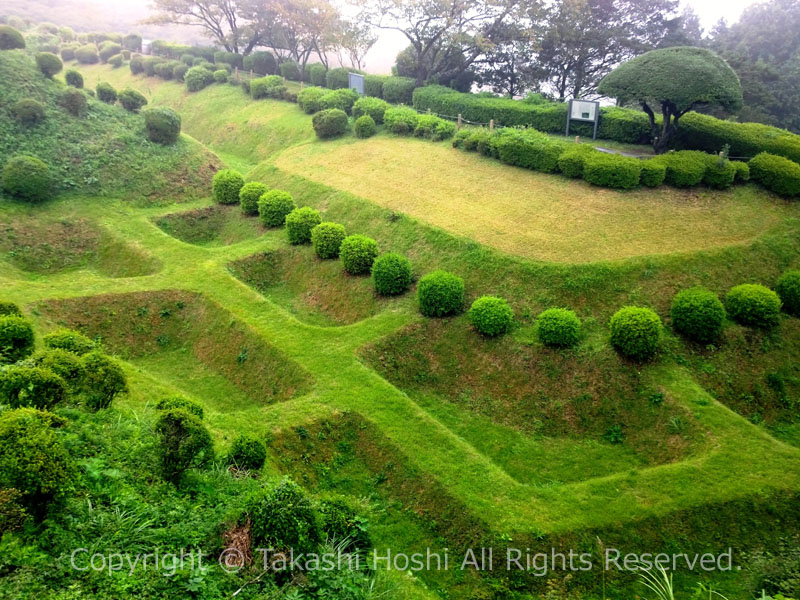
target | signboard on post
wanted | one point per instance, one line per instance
(356, 82)
(584, 110)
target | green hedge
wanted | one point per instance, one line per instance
(16, 339)
(558, 328)
(327, 238)
(529, 149)
(365, 127)
(27, 178)
(271, 86)
(343, 99)
(249, 195)
(273, 206)
(612, 170)
(358, 253)
(788, 288)
(698, 314)
(401, 120)
(391, 274)
(440, 294)
(163, 125)
(491, 316)
(373, 85)
(398, 90)
(374, 107)
(329, 123)
(776, 173)
(685, 168)
(635, 332)
(226, 185)
(753, 305)
(299, 224)
(309, 99)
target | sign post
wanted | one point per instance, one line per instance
(356, 82)
(584, 110)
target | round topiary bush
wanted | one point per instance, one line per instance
(283, 517)
(440, 294)
(226, 186)
(249, 196)
(197, 78)
(309, 99)
(172, 402)
(247, 452)
(753, 305)
(365, 127)
(698, 314)
(273, 206)
(719, 174)
(37, 387)
(636, 332)
(74, 78)
(374, 107)
(9, 308)
(326, 238)
(87, 54)
(299, 224)
(74, 102)
(104, 380)
(391, 274)
(788, 288)
(27, 178)
(358, 253)
(184, 443)
(106, 93)
(221, 76)
(558, 328)
(742, 171)
(329, 123)
(179, 72)
(10, 38)
(342, 99)
(116, 61)
(491, 316)
(48, 63)
(28, 111)
(69, 340)
(131, 100)
(65, 364)
(163, 125)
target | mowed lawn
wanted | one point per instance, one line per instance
(537, 216)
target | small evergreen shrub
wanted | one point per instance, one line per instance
(653, 173)
(179, 72)
(338, 78)
(65, 364)
(198, 78)
(391, 274)
(326, 239)
(247, 452)
(117, 60)
(776, 173)
(685, 168)
(226, 186)
(309, 99)
(283, 517)
(137, 64)
(182, 403)
(398, 90)
(357, 253)
(67, 52)
(365, 127)
(106, 93)
(788, 289)
(74, 101)
(491, 316)
(698, 314)
(440, 294)
(9, 308)
(87, 55)
(27, 178)
(570, 163)
(434, 128)
(742, 171)
(329, 123)
(374, 107)
(104, 380)
(343, 99)
(10, 38)
(460, 136)
(163, 125)
(261, 62)
(131, 100)
(69, 340)
(109, 49)
(340, 522)
(290, 70)
(184, 443)
(271, 86)
(74, 78)
(36, 387)
(373, 85)
(401, 120)
(753, 305)
(221, 76)
(558, 328)
(273, 206)
(299, 224)
(636, 332)
(28, 111)
(719, 174)
(316, 74)
(48, 63)
(249, 195)
(612, 170)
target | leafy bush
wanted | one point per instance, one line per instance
(249, 195)
(365, 127)
(28, 111)
(179, 72)
(65, 364)
(373, 85)
(558, 328)
(228, 59)
(184, 443)
(67, 53)
(137, 64)
(612, 170)
(753, 305)
(434, 128)
(653, 173)
(106, 93)
(398, 90)
(719, 174)
(340, 523)
(182, 403)
(529, 149)
(131, 100)
(299, 224)
(491, 315)
(27, 178)
(261, 62)
(104, 380)
(247, 452)
(150, 63)
(391, 274)
(440, 294)
(338, 78)
(271, 86)
(329, 123)
(164, 70)
(684, 168)
(290, 70)
(357, 253)
(226, 186)
(570, 162)
(273, 206)
(133, 42)
(326, 238)
(9, 308)
(788, 289)
(74, 78)
(48, 63)
(316, 74)
(36, 387)
(478, 140)
(698, 314)
(283, 518)
(163, 125)
(401, 120)
(10, 38)
(742, 171)
(309, 99)
(74, 101)
(117, 60)
(374, 107)
(221, 76)
(636, 332)
(109, 49)
(776, 173)
(343, 99)
(197, 78)
(69, 340)
(87, 54)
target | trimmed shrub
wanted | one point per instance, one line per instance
(315, 74)
(197, 78)
(290, 70)
(612, 170)
(329, 123)
(283, 518)
(343, 99)
(273, 206)
(87, 55)
(28, 111)
(698, 314)
(365, 127)
(221, 76)
(27, 178)
(117, 60)
(65, 364)
(326, 239)
(391, 274)
(229, 59)
(104, 380)
(742, 171)
(685, 168)
(374, 107)
(653, 173)
(67, 53)
(299, 224)
(570, 162)
(74, 101)
(358, 253)
(150, 63)
(106, 93)
(788, 289)
(529, 149)
(182, 403)
(337, 78)
(184, 443)
(9, 308)
(163, 125)
(10, 38)
(271, 86)
(179, 72)
(69, 340)
(399, 90)
(261, 62)
(440, 294)
(636, 332)
(719, 174)
(226, 186)
(109, 49)
(249, 195)
(558, 328)
(74, 78)
(400, 120)
(164, 70)
(491, 316)
(36, 387)
(753, 305)
(133, 42)
(428, 125)
(776, 173)
(131, 100)
(373, 85)
(460, 136)
(247, 452)
(137, 64)
(309, 99)
(48, 63)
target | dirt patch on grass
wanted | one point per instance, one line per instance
(214, 225)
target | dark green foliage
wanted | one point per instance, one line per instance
(65, 364)
(133, 42)
(373, 85)
(27, 178)
(74, 78)
(326, 239)
(340, 522)
(197, 78)
(365, 127)
(261, 63)
(612, 170)
(249, 195)
(398, 90)
(343, 99)
(226, 186)
(179, 72)
(558, 327)
(374, 107)
(299, 224)
(74, 101)
(491, 316)
(182, 403)
(163, 125)
(67, 53)
(570, 162)
(87, 54)
(315, 74)
(337, 78)
(273, 206)
(309, 99)
(271, 86)
(69, 340)
(742, 171)
(231, 59)
(329, 123)
(753, 305)
(9, 308)
(104, 379)
(247, 452)
(400, 120)
(48, 63)
(357, 253)
(131, 100)
(109, 49)
(184, 443)
(719, 174)
(10, 38)
(28, 111)
(698, 314)
(391, 274)
(150, 63)
(117, 60)
(137, 64)
(776, 173)
(529, 149)
(290, 70)
(37, 387)
(221, 76)
(685, 168)
(440, 294)
(434, 128)
(460, 136)
(283, 518)
(653, 173)
(106, 93)
(636, 332)
(165, 70)
(788, 288)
